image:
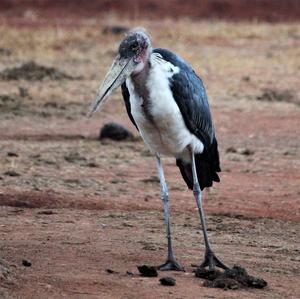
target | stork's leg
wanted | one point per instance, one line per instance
(210, 259)
(171, 263)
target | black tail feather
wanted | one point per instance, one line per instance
(207, 166)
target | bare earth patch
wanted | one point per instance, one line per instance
(73, 206)
(31, 71)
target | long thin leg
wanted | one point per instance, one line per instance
(171, 263)
(210, 259)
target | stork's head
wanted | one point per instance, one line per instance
(133, 54)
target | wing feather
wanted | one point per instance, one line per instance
(190, 95)
(126, 95)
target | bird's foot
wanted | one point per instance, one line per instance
(212, 261)
(170, 265)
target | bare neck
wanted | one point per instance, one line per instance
(139, 81)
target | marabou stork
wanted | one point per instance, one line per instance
(166, 101)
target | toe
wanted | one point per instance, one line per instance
(170, 266)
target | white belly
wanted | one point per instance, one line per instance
(164, 131)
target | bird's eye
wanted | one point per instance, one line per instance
(134, 46)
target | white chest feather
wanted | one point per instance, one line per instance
(158, 117)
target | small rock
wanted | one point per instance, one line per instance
(92, 164)
(46, 212)
(246, 78)
(26, 263)
(168, 281)
(74, 157)
(231, 149)
(129, 273)
(110, 271)
(12, 154)
(149, 246)
(51, 104)
(152, 179)
(5, 52)
(11, 173)
(23, 92)
(247, 152)
(116, 132)
(147, 271)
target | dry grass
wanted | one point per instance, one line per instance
(237, 63)
(223, 53)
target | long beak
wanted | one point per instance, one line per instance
(120, 69)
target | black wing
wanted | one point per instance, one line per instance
(125, 94)
(190, 95)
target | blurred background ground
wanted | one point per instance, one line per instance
(75, 206)
(262, 10)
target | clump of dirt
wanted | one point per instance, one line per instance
(147, 271)
(235, 278)
(247, 152)
(12, 104)
(74, 157)
(5, 99)
(152, 180)
(168, 281)
(115, 30)
(11, 173)
(5, 52)
(207, 274)
(26, 263)
(32, 71)
(272, 95)
(23, 92)
(115, 132)
(231, 149)
(110, 271)
(12, 154)
(241, 151)
(46, 212)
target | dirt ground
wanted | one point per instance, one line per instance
(74, 206)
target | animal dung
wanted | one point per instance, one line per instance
(168, 281)
(147, 271)
(207, 274)
(26, 263)
(110, 271)
(115, 132)
(234, 278)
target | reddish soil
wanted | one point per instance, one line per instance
(74, 206)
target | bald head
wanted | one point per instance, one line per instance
(135, 45)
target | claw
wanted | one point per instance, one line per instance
(212, 261)
(170, 265)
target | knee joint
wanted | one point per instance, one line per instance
(196, 189)
(165, 196)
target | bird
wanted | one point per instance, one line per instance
(167, 103)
